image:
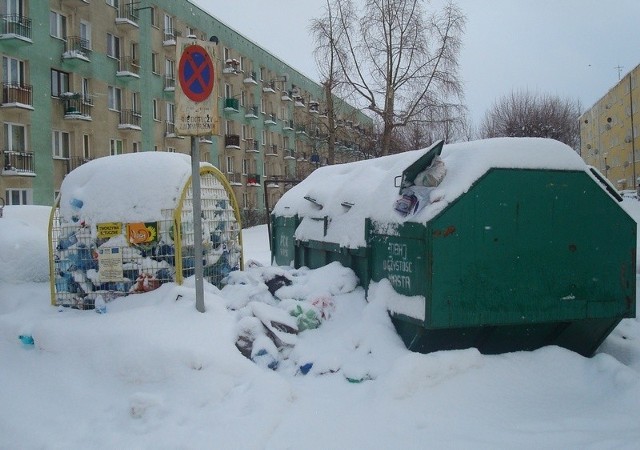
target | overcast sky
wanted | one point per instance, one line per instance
(570, 48)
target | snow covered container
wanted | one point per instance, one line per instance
(124, 224)
(503, 244)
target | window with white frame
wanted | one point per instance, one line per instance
(15, 137)
(156, 113)
(171, 149)
(170, 109)
(115, 147)
(57, 25)
(244, 132)
(229, 164)
(245, 200)
(169, 68)
(242, 64)
(264, 138)
(154, 17)
(135, 147)
(245, 166)
(18, 196)
(113, 46)
(13, 70)
(263, 73)
(59, 82)
(114, 98)
(114, 3)
(154, 63)
(228, 91)
(85, 34)
(60, 144)
(227, 54)
(86, 147)
(243, 98)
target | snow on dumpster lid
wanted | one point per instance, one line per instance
(349, 193)
(127, 188)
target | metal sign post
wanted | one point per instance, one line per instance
(196, 116)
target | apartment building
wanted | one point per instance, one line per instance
(609, 133)
(83, 79)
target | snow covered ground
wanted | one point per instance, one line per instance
(153, 373)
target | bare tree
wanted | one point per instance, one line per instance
(398, 59)
(524, 114)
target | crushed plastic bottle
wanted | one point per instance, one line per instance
(100, 305)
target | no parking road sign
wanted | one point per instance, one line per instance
(196, 102)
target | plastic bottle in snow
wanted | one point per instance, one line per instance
(100, 305)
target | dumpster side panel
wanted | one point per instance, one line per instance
(532, 246)
(283, 240)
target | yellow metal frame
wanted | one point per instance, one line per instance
(52, 275)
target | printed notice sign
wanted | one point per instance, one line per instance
(109, 229)
(110, 264)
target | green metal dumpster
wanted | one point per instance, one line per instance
(518, 246)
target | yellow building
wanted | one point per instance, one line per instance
(609, 138)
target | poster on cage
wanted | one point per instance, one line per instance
(110, 264)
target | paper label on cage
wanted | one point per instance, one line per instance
(142, 233)
(110, 264)
(109, 229)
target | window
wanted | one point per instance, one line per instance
(229, 164)
(171, 149)
(263, 75)
(114, 3)
(86, 147)
(85, 34)
(170, 113)
(12, 7)
(133, 53)
(113, 46)
(245, 166)
(86, 96)
(241, 67)
(156, 115)
(115, 98)
(60, 144)
(115, 147)
(169, 68)
(15, 137)
(169, 32)
(59, 82)
(17, 196)
(243, 98)
(264, 137)
(135, 103)
(12, 70)
(191, 31)
(154, 63)
(228, 93)
(245, 200)
(244, 132)
(227, 54)
(57, 25)
(154, 17)
(135, 148)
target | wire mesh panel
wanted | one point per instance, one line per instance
(222, 251)
(110, 259)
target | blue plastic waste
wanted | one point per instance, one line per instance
(26, 339)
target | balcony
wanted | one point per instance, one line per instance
(15, 95)
(232, 141)
(17, 163)
(251, 79)
(169, 83)
(314, 108)
(286, 96)
(301, 129)
(289, 154)
(271, 119)
(269, 87)
(127, 15)
(76, 108)
(75, 162)
(15, 26)
(298, 102)
(235, 179)
(272, 150)
(288, 125)
(253, 179)
(128, 67)
(170, 131)
(231, 67)
(170, 36)
(76, 48)
(231, 105)
(252, 146)
(251, 112)
(130, 120)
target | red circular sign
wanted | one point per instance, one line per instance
(195, 73)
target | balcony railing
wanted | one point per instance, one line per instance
(252, 146)
(130, 120)
(77, 108)
(253, 179)
(235, 179)
(15, 25)
(231, 67)
(251, 78)
(269, 87)
(232, 141)
(288, 125)
(170, 36)
(129, 67)
(127, 14)
(18, 95)
(18, 162)
(270, 119)
(289, 154)
(169, 83)
(76, 47)
(251, 112)
(272, 150)
(231, 105)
